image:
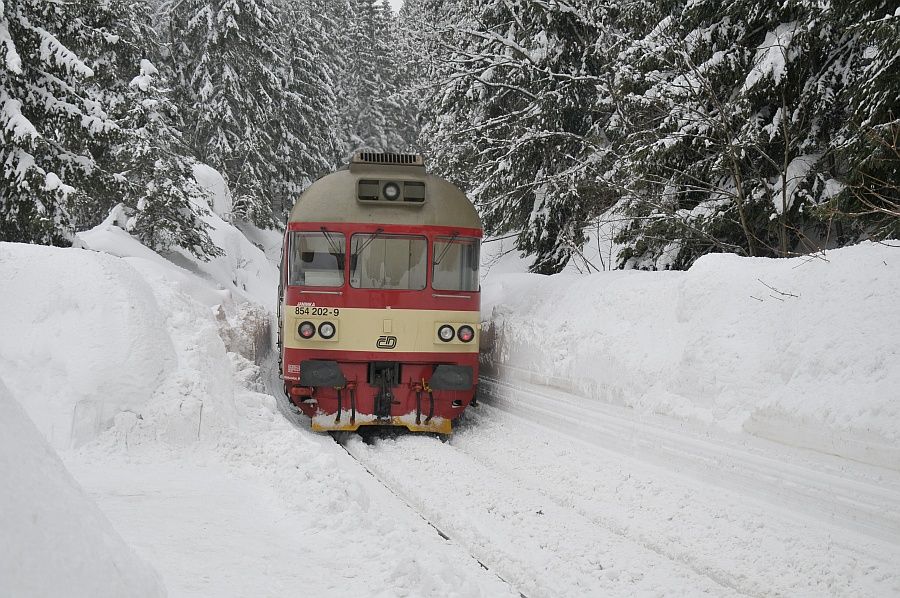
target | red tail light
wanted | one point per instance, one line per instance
(306, 330)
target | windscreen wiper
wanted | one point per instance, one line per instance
(334, 245)
(438, 259)
(368, 241)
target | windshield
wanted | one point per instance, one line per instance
(379, 261)
(455, 264)
(317, 259)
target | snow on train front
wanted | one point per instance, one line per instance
(379, 298)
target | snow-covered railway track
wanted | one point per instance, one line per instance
(540, 547)
(341, 439)
(552, 501)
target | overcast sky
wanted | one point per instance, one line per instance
(396, 4)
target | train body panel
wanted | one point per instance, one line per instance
(362, 329)
(379, 298)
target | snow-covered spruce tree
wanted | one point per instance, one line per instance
(414, 28)
(426, 29)
(737, 106)
(330, 49)
(311, 134)
(230, 88)
(164, 201)
(369, 78)
(141, 163)
(400, 99)
(868, 145)
(50, 122)
(520, 121)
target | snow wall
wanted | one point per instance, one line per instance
(804, 351)
(55, 541)
(126, 351)
(87, 335)
(83, 338)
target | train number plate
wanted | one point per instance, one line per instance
(306, 310)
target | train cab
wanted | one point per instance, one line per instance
(379, 298)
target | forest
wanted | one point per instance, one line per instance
(748, 127)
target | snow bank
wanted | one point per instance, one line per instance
(248, 270)
(89, 339)
(55, 541)
(93, 342)
(210, 179)
(195, 401)
(83, 339)
(804, 351)
(245, 268)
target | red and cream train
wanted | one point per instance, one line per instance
(379, 298)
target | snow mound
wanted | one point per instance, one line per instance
(122, 344)
(244, 270)
(110, 238)
(249, 267)
(244, 273)
(210, 179)
(803, 351)
(56, 542)
(83, 339)
(195, 402)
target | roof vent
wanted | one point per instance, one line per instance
(389, 158)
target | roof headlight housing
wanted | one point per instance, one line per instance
(391, 191)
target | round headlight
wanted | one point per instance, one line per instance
(391, 191)
(446, 332)
(306, 329)
(466, 333)
(326, 330)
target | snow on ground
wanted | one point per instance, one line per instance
(559, 508)
(55, 541)
(83, 339)
(803, 350)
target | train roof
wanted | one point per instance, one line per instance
(358, 194)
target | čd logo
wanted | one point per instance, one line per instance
(386, 342)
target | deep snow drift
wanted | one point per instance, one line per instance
(74, 362)
(804, 351)
(55, 541)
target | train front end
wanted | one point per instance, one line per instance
(379, 299)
